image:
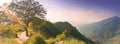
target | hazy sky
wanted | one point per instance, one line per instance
(80, 11)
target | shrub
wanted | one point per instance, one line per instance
(73, 41)
(36, 39)
(10, 30)
(7, 41)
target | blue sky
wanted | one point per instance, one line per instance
(80, 11)
(110, 5)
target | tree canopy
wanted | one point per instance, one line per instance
(25, 10)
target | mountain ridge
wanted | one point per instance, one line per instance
(72, 31)
(105, 29)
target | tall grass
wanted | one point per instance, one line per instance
(7, 41)
(36, 39)
(73, 41)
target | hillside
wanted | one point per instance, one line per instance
(102, 30)
(43, 32)
(54, 29)
(72, 31)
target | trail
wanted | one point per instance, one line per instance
(22, 38)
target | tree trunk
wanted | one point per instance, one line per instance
(26, 28)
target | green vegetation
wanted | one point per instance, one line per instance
(26, 10)
(50, 35)
(73, 41)
(7, 41)
(36, 39)
(11, 30)
(72, 31)
(25, 23)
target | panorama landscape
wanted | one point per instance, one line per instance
(59, 22)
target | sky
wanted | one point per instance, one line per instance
(79, 12)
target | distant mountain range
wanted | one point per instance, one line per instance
(105, 30)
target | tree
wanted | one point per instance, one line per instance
(4, 20)
(26, 10)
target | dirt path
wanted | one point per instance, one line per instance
(22, 38)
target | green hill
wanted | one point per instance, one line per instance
(72, 31)
(54, 29)
(45, 31)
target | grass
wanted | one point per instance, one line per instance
(7, 41)
(36, 39)
(73, 41)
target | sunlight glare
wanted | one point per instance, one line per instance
(4, 1)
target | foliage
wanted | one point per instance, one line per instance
(32, 15)
(71, 31)
(39, 37)
(37, 24)
(11, 30)
(65, 40)
(36, 39)
(4, 18)
(73, 41)
(7, 41)
(25, 10)
(50, 29)
(58, 38)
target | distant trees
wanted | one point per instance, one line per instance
(26, 10)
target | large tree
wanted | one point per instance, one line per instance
(26, 10)
(4, 20)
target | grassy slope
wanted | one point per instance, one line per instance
(72, 31)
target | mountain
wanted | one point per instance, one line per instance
(72, 31)
(102, 30)
(53, 29)
(42, 32)
(114, 40)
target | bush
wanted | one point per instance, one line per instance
(73, 41)
(10, 30)
(36, 39)
(58, 38)
(7, 41)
